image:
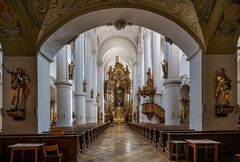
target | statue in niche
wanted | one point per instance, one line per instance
(165, 68)
(70, 70)
(20, 85)
(91, 93)
(97, 97)
(185, 109)
(84, 85)
(223, 87)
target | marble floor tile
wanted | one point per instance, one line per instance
(120, 144)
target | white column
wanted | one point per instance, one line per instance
(171, 84)
(157, 70)
(135, 89)
(88, 74)
(94, 85)
(80, 97)
(196, 99)
(147, 61)
(142, 72)
(101, 89)
(64, 89)
(147, 51)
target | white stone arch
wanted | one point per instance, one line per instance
(119, 42)
(138, 17)
(153, 21)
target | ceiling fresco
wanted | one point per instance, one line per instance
(46, 16)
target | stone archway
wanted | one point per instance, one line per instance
(59, 31)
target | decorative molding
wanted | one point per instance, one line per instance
(10, 27)
(47, 58)
(37, 10)
(49, 14)
(229, 21)
(204, 9)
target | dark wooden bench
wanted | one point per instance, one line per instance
(71, 143)
(230, 141)
(68, 145)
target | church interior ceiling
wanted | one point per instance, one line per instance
(45, 16)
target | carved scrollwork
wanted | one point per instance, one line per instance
(229, 21)
(203, 9)
(10, 27)
(148, 89)
(37, 10)
(48, 14)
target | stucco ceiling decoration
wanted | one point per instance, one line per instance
(204, 9)
(37, 9)
(10, 27)
(229, 21)
(60, 11)
(182, 10)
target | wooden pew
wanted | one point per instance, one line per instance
(68, 145)
(230, 143)
(71, 143)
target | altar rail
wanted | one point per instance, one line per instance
(72, 143)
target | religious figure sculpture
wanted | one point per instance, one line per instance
(70, 70)
(165, 68)
(97, 97)
(92, 91)
(20, 85)
(185, 110)
(223, 87)
(84, 85)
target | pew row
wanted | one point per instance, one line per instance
(72, 143)
(154, 132)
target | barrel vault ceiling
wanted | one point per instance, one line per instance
(26, 24)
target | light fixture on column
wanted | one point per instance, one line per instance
(119, 25)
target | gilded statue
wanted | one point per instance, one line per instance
(149, 76)
(97, 97)
(165, 68)
(185, 109)
(70, 70)
(223, 87)
(84, 85)
(20, 85)
(92, 91)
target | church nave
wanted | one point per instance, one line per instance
(120, 144)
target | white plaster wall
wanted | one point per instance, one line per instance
(53, 68)
(212, 64)
(184, 64)
(29, 125)
(196, 103)
(43, 94)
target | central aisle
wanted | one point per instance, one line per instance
(120, 144)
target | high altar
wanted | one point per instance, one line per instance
(117, 90)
